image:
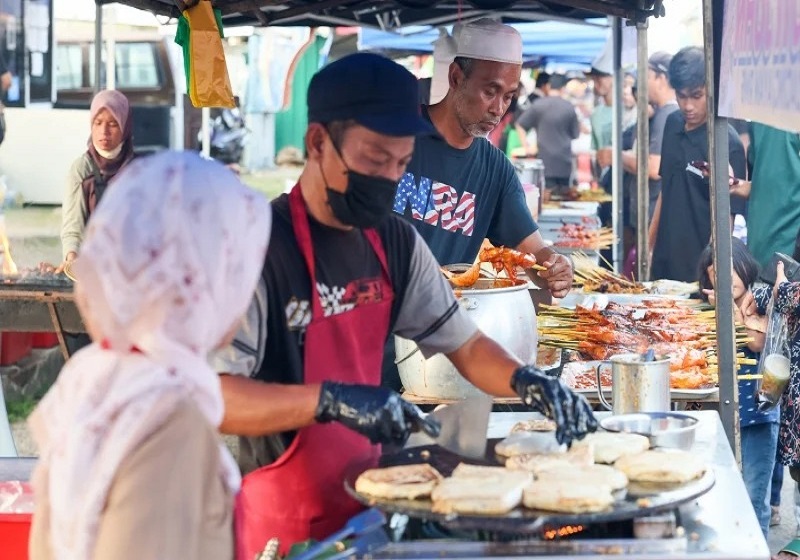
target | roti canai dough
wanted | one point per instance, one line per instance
(404, 482)
(480, 490)
(587, 474)
(519, 443)
(668, 465)
(534, 425)
(610, 446)
(567, 496)
(537, 462)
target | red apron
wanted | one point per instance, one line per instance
(301, 495)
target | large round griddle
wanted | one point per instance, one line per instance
(640, 499)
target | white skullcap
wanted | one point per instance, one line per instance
(487, 39)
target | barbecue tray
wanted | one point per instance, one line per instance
(640, 499)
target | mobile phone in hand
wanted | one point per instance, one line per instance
(790, 267)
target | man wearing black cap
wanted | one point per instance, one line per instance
(302, 379)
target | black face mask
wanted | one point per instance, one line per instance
(366, 202)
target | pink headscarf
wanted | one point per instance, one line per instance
(169, 264)
(115, 103)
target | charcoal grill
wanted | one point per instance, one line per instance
(719, 524)
(39, 302)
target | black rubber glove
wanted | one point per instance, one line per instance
(375, 412)
(550, 396)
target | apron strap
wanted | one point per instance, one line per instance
(302, 233)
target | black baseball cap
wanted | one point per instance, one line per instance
(370, 89)
(659, 62)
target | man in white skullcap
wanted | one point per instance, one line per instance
(458, 189)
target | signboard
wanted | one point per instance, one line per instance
(760, 64)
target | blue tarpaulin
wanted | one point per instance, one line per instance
(544, 41)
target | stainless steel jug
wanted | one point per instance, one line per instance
(636, 385)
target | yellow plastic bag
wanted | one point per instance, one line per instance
(209, 85)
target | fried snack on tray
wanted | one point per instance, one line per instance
(502, 259)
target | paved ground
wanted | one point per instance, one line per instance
(786, 531)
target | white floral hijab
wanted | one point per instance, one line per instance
(169, 264)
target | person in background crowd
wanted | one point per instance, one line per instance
(629, 114)
(556, 124)
(131, 465)
(759, 430)
(661, 97)
(109, 149)
(773, 192)
(5, 84)
(541, 87)
(786, 300)
(681, 224)
(600, 120)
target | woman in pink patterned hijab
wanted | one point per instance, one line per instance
(130, 462)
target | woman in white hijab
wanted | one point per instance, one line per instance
(131, 465)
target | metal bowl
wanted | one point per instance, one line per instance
(664, 429)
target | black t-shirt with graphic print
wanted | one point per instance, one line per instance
(348, 271)
(270, 345)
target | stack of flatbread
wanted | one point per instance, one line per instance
(480, 490)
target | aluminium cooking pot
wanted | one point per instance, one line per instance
(504, 314)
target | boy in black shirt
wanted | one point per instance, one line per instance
(681, 225)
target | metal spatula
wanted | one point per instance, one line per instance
(464, 426)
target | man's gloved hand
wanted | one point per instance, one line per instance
(379, 414)
(550, 396)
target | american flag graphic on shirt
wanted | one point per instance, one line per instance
(436, 203)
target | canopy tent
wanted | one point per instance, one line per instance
(544, 41)
(394, 14)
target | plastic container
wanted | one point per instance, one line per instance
(14, 346)
(15, 529)
(44, 340)
(532, 198)
(16, 507)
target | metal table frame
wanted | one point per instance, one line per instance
(50, 299)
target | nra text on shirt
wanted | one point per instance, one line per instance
(436, 204)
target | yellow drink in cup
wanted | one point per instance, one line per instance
(776, 373)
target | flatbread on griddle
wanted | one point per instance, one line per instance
(567, 496)
(520, 443)
(480, 490)
(537, 462)
(610, 446)
(663, 465)
(534, 425)
(404, 482)
(586, 474)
